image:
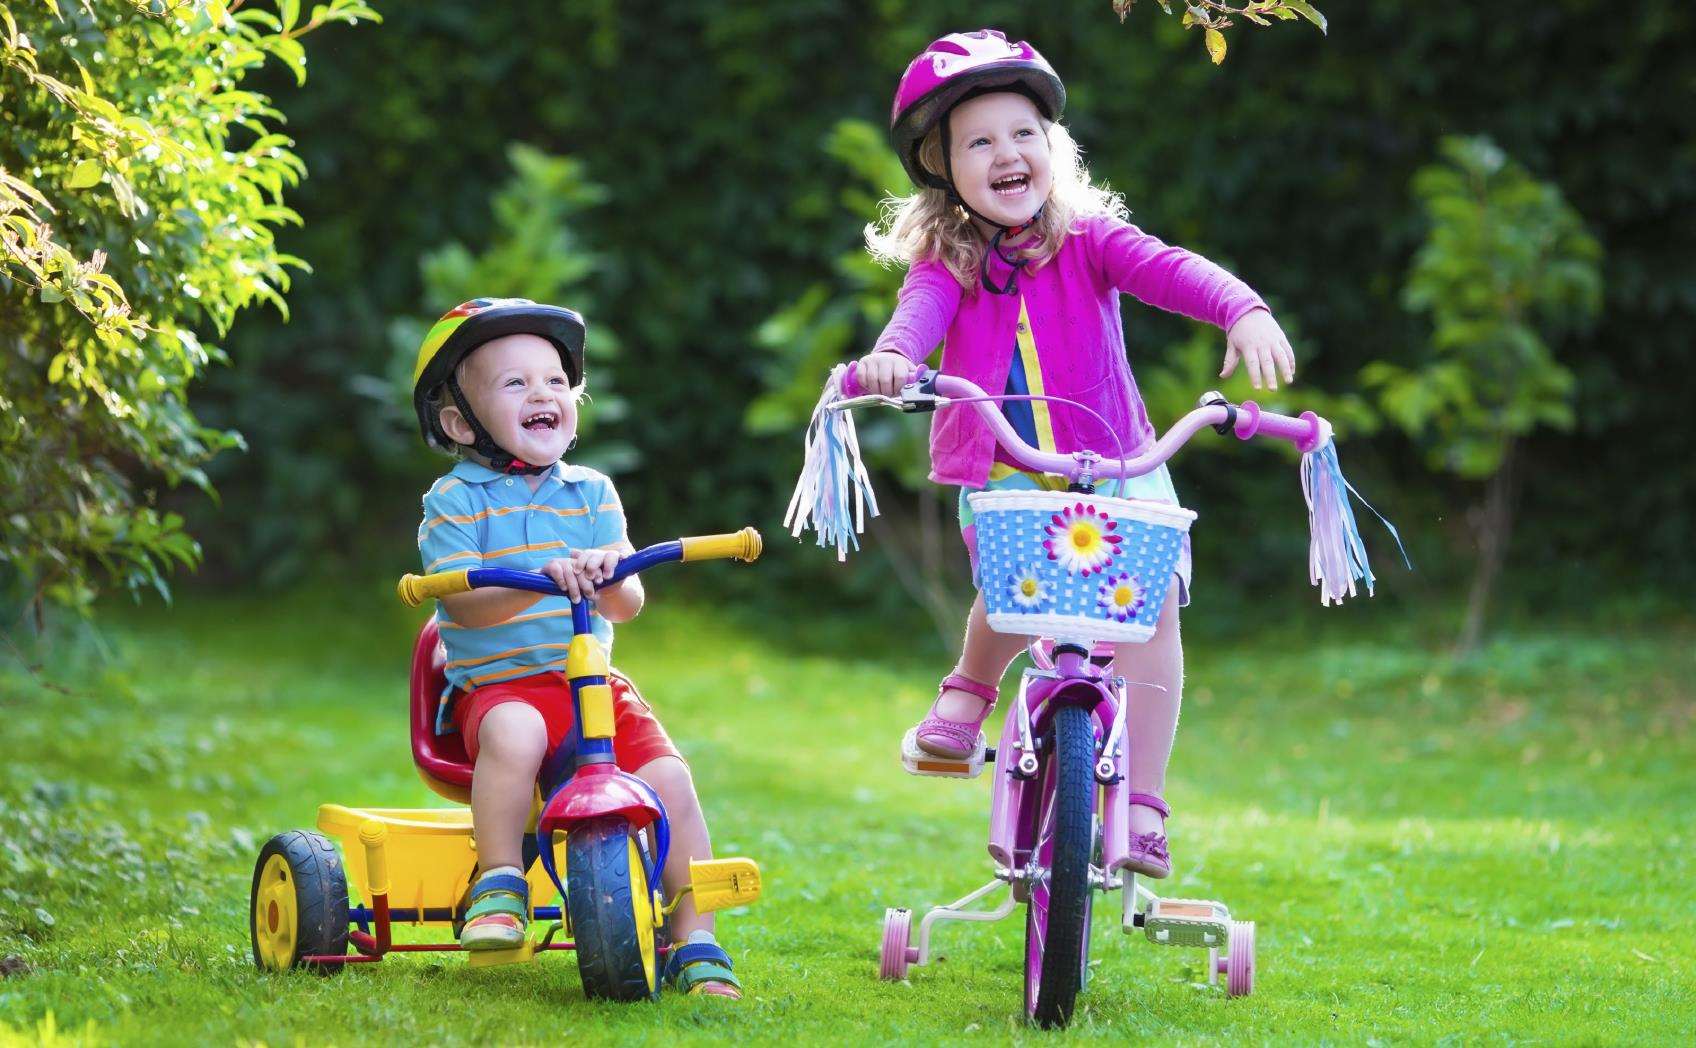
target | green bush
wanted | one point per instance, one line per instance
(140, 189)
(706, 122)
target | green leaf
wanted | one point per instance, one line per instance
(86, 173)
(1215, 45)
(1309, 12)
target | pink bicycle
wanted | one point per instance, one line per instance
(1071, 570)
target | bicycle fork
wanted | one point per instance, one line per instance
(1018, 763)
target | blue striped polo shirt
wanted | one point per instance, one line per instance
(477, 518)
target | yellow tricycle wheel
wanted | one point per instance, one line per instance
(610, 904)
(298, 905)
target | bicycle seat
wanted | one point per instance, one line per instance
(441, 759)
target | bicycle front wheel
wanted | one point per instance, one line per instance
(1057, 917)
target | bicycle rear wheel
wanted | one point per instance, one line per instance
(1057, 917)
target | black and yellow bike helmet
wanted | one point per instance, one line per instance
(464, 328)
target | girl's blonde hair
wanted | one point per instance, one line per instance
(924, 226)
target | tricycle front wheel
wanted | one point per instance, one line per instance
(611, 905)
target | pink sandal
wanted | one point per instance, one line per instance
(1147, 854)
(951, 738)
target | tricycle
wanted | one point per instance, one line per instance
(599, 835)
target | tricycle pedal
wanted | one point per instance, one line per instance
(717, 883)
(515, 955)
(1187, 922)
(919, 761)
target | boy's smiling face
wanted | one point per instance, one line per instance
(999, 152)
(518, 388)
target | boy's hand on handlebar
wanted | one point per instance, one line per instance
(579, 573)
(883, 372)
(1258, 341)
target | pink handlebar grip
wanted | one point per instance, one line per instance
(1306, 432)
(851, 380)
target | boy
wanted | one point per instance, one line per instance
(498, 382)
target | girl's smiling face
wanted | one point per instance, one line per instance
(999, 150)
(519, 389)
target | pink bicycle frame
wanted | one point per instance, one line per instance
(1073, 679)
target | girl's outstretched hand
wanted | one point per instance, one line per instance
(1258, 341)
(883, 372)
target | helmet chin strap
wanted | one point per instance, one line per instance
(499, 459)
(1001, 232)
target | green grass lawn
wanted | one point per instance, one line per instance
(1499, 851)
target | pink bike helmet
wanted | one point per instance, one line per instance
(954, 68)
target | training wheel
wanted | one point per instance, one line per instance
(1237, 966)
(897, 955)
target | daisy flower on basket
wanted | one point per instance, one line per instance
(1028, 589)
(1121, 596)
(1081, 538)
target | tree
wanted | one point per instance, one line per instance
(1506, 266)
(140, 186)
(1213, 17)
(1292, 171)
(530, 250)
(832, 321)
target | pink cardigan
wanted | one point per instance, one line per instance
(1073, 306)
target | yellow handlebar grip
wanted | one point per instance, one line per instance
(416, 589)
(744, 545)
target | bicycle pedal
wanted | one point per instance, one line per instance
(1187, 922)
(919, 761)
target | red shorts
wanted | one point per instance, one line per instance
(640, 738)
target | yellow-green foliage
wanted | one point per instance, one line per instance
(140, 186)
(1213, 17)
(1507, 266)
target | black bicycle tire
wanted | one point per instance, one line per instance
(1068, 884)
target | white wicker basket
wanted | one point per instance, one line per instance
(1076, 567)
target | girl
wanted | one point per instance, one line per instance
(1016, 266)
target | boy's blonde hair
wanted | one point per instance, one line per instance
(924, 226)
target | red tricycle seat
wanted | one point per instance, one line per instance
(441, 759)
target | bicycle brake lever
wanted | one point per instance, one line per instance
(864, 400)
(915, 399)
